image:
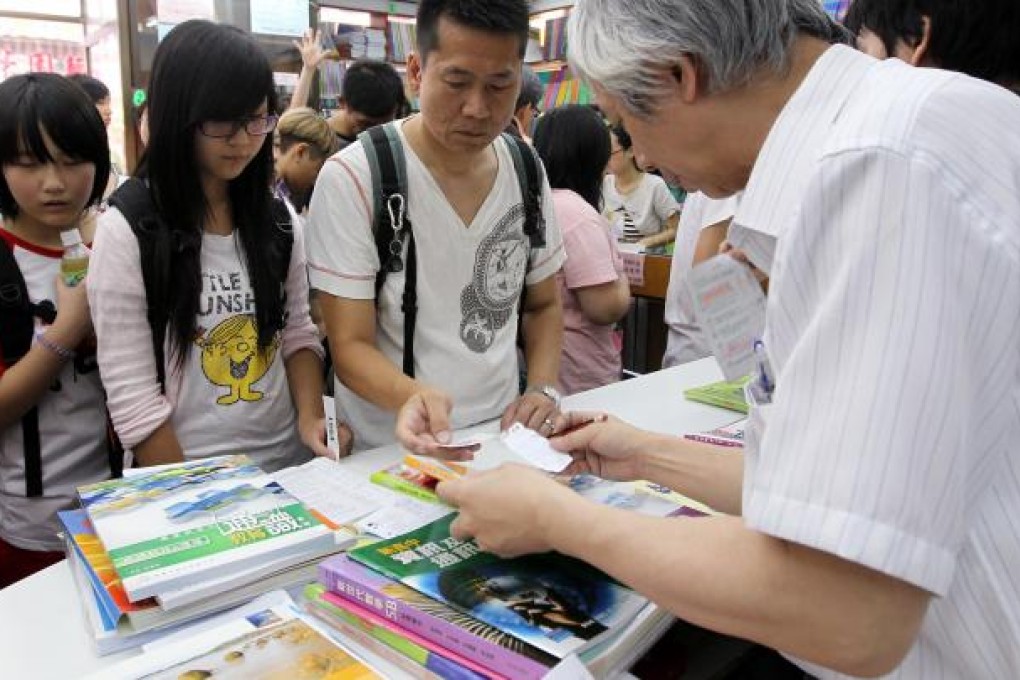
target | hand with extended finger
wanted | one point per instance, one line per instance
(423, 427)
(507, 510)
(601, 445)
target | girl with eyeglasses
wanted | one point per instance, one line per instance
(200, 303)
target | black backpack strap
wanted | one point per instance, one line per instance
(17, 327)
(529, 175)
(134, 200)
(391, 225)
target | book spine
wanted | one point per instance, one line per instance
(712, 439)
(391, 481)
(444, 633)
(429, 655)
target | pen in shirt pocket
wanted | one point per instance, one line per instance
(766, 382)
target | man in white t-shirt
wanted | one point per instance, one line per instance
(702, 230)
(473, 258)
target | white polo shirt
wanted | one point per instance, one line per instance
(893, 437)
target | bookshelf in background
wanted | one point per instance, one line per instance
(357, 35)
(562, 86)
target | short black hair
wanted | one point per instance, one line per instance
(185, 91)
(94, 88)
(372, 88)
(977, 37)
(35, 102)
(532, 89)
(622, 136)
(892, 21)
(574, 145)
(494, 16)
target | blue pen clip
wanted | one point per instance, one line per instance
(766, 382)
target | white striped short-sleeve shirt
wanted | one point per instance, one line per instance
(893, 438)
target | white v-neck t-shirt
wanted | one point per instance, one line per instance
(469, 283)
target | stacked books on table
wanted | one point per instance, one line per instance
(443, 606)
(161, 548)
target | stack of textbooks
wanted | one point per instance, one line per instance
(443, 606)
(161, 548)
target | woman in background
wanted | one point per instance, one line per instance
(574, 146)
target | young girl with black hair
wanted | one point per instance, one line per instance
(206, 346)
(55, 160)
(574, 145)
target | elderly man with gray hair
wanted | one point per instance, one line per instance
(872, 517)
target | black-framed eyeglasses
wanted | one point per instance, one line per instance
(256, 126)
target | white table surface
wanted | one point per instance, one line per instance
(42, 631)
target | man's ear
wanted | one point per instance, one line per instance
(919, 52)
(414, 72)
(685, 77)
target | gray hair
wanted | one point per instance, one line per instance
(531, 89)
(623, 45)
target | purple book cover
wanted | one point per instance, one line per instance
(433, 620)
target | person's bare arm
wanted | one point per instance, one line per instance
(360, 365)
(25, 383)
(543, 332)
(713, 571)
(710, 240)
(717, 573)
(667, 235)
(159, 448)
(605, 303)
(312, 55)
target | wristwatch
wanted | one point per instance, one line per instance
(546, 390)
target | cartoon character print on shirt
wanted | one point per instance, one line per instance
(490, 299)
(231, 358)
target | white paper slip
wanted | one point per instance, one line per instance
(400, 515)
(535, 449)
(332, 439)
(730, 306)
(336, 491)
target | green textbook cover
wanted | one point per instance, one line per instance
(181, 524)
(724, 394)
(556, 603)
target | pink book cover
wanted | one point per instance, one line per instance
(434, 621)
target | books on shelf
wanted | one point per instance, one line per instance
(552, 602)
(555, 46)
(729, 395)
(183, 524)
(434, 620)
(403, 40)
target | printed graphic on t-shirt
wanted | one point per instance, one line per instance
(489, 301)
(231, 358)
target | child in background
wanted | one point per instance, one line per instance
(55, 159)
(639, 205)
(574, 146)
(225, 357)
